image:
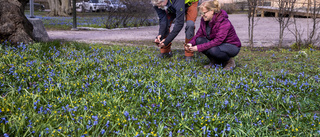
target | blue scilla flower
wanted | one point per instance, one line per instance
(95, 117)
(103, 131)
(126, 114)
(95, 122)
(107, 125)
(204, 129)
(215, 129)
(41, 110)
(228, 128)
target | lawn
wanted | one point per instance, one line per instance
(76, 89)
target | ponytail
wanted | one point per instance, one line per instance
(211, 5)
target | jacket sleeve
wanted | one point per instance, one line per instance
(179, 21)
(200, 33)
(221, 34)
(163, 21)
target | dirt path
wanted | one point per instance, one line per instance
(266, 33)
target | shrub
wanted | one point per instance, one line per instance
(228, 7)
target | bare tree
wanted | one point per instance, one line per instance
(286, 8)
(59, 7)
(252, 5)
(297, 32)
(314, 35)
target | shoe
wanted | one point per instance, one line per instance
(230, 64)
(165, 55)
(212, 64)
(189, 58)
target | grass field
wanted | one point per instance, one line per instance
(76, 89)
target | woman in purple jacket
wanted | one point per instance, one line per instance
(216, 37)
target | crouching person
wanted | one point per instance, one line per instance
(216, 37)
(181, 11)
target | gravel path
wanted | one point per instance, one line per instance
(266, 33)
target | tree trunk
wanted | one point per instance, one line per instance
(252, 4)
(285, 8)
(311, 37)
(14, 26)
(59, 7)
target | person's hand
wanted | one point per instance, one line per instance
(187, 46)
(161, 44)
(193, 48)
(157, 40)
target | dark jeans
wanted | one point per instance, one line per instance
(220, 53)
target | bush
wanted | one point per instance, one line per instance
(138, 13)
(228, 7)
(241, 5)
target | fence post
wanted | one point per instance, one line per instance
(74, 12)
(31, 9)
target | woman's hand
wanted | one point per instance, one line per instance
(193, 48)
(187, 46)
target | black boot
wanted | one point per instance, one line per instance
(211, 64)
(166, 55)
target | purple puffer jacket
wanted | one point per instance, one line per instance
(222, 31)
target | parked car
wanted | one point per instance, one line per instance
(36, 6)
(115, 6)
(122, 6)
(91, 6)
(110, 6)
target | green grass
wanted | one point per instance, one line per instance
(61, 89)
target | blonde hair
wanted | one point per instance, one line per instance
(211, 5)
(155, 2)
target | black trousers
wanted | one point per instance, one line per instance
(221, 53)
